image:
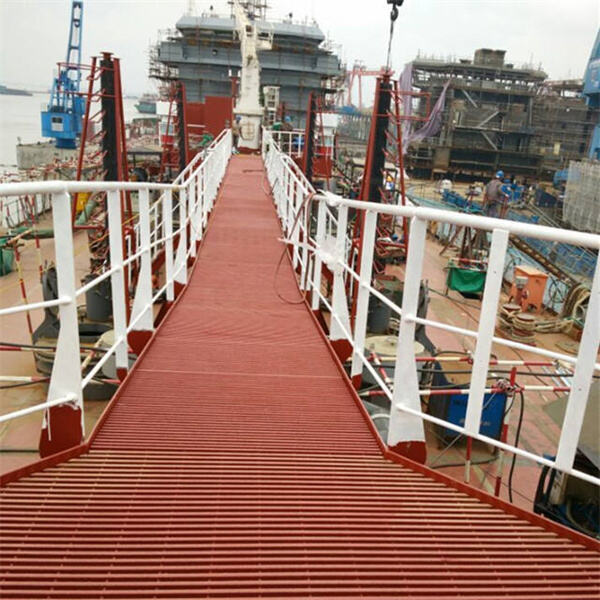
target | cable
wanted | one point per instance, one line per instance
(19, 385)
(307, 205)
(35, 347)
(516, 444)
(455, 300)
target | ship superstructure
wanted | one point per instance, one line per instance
(204, 54)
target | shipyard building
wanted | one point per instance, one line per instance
(497, 115)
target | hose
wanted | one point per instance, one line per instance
(516, 444)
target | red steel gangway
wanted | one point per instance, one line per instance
(237, 462)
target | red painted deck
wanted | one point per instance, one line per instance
(236, 463)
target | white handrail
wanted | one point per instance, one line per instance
(204, 176)
(578, 238)
(406, 423)
(58, 186)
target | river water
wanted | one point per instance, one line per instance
(20, 118)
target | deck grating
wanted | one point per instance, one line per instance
(236, 464)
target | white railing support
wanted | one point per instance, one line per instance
(487, 325)
(168, 235)
(198, 225)
(296, 203)
(340, 318)
(66, 374)
(117, 279)
(318, 263)
(181, 257)
(582, 379)
(192, 216)
(362, 300)
(405, 427)
(141, 311)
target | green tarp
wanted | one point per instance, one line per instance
(465, 280)
(7, 259)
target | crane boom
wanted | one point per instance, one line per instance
(248, 109)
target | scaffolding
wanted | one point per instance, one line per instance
(581, 207)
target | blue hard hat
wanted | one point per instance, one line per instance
(288, 119)
(500, 174)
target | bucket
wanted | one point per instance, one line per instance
(378, 320)
(98, 300)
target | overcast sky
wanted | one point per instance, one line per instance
(556, 33)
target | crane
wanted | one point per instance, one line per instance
(358, 72)
(591, 89)
(248, 109)
(62, 118)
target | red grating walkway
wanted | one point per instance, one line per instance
(236, 463)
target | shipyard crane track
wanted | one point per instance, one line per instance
(236, 461)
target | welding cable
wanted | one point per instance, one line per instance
(265, 192)
(35, 347)
(306, 204)
(455, 300)
(26, 383)
(516, 444)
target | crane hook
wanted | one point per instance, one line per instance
(395, 5)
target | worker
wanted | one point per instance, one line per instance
(389, 187)
(495, 199)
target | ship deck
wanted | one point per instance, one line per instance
(236, 461)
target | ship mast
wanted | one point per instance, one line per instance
(248, 107)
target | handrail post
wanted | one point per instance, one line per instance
(304, 216)
(289, 202)
(192, 216)
(181, 257)
(204, 192)
(296, 204)
(199, 202)
(362, 300)
(65, 380)
(405, 428)
(582, 380)
(168, 235)
(339, 302)
(141, 311)
(485, 333)
(117, 279)
(316, 285)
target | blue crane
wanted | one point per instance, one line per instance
(62, 119)
(591, 89)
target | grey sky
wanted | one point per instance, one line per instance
(555, 33)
